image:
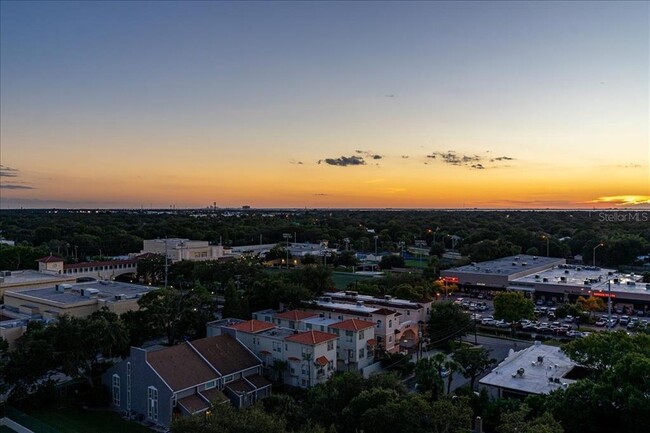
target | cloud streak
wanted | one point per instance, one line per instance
(344, 161)
(8, 171)
(475, 162)
(14, 186)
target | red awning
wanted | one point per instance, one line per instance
(293, 359)
(372, 342)
(265, 352)
(322, 361)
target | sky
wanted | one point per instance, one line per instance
(325, 104)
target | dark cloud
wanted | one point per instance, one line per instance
(296, 162)
(478, 166)
(321, 194)
(8, 171)
(345, 161)
(377, 157)
(368, 154)
(405, 156)
(14, 186)
(453, 158)
(502, 158)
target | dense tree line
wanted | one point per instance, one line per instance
(480, 234)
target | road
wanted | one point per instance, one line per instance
(499, 349)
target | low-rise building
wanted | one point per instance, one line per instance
(191, 378)
(306, 358)
(78, 300)
(178, 249)
(31, 279)
(538, 369)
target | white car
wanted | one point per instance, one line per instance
(489, 320)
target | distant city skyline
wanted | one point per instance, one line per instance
(325, 104)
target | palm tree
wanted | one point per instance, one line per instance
(278, 369)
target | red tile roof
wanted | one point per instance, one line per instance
(353, 325)
(384, 311)
(253, 326)
(311, 337)
(49, 259)
(322, 361)
(295, 315)
(104, 263)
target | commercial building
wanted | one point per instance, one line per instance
(183, 249)
(499, 273)
(78, 300)
(31, 279)
(155, 386)
(551, 279)
(538, 369)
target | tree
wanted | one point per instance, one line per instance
(519, 421)
(591, 304)
(392, 261)
(447, 321)
(512, 307)
(346, 258)
(235, 303)
(230, 420)
(473, 362)
(428, 375)
(151, 269)
(316, 279)
(78, 342)
(177, 313)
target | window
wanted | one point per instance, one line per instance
(308, 326)
(304, 370)
(174, 400)
(277, 346)
(390, 323)
(292, 324)
(211, 385)
(330, 345)
(116, 390)
(378, 323)
(362, 353)
(228, 379)
(361, 335)
(152, 403)
(306, 351)
(348, 336)
(128, 386)
(408, 312)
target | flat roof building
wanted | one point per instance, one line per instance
(30, 279)
(538, 369)
(79, 300)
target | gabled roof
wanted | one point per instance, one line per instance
(49, 259)
(311, 337)
(225, 353)
(353, 325)
(181, 367)
(295, 315)
(253, 326)
(384, 311)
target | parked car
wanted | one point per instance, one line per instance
(624, 320)
(568, 319)
(540, 302)
(488, 320)
(600, 323)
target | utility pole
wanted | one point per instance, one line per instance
(166, 265)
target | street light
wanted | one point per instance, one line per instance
(287, 236)
(547, 243)
(594, 255)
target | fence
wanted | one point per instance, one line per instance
(28, 423)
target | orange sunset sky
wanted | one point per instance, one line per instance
(363, 105)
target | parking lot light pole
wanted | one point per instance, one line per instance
(609, 305)
(594, 255)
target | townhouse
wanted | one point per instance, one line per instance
(154, 386)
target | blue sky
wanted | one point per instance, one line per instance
(188, 96)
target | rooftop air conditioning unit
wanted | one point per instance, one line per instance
(120, 297)
(540, 359)
(566, 271)
(545, 280)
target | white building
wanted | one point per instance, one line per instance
(538, 369)
(183, 249)
(309, 356)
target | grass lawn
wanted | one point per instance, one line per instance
(87, 421)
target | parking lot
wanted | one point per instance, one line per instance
(546, 321)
